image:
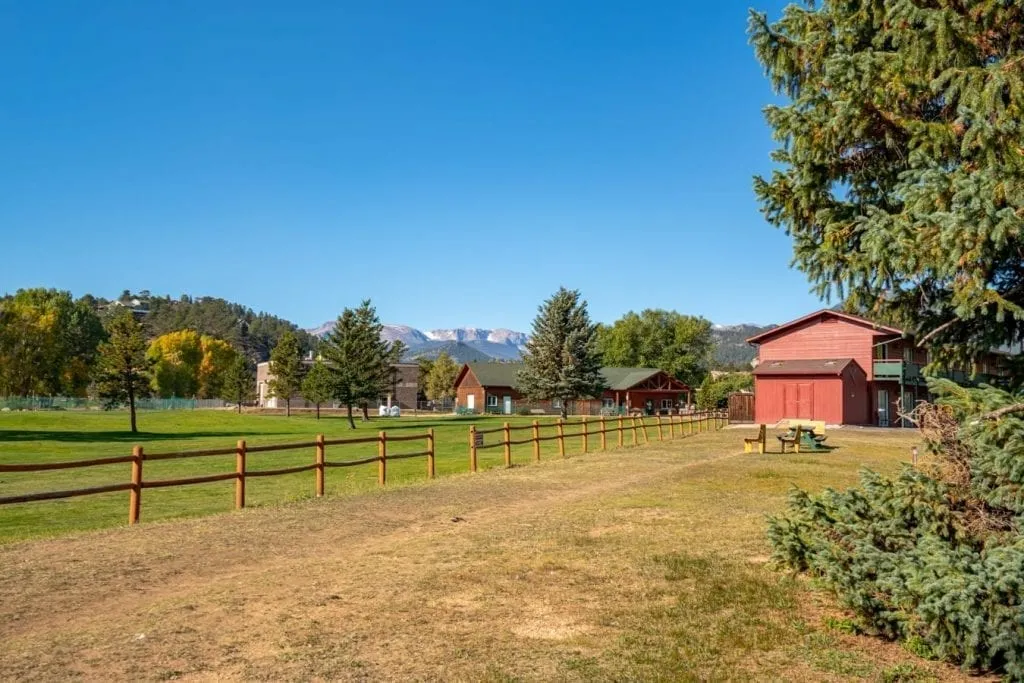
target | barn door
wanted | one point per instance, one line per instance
(798, 400)
(805, 398)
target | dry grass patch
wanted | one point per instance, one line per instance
(644, 564)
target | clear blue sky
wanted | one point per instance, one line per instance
(456, 161)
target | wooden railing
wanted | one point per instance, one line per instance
(668, 427)
(241, 451)
(685, 425)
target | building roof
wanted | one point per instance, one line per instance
(826, 366)
(825, 312)
(504, 375)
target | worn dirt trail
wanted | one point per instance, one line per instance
(379, 586)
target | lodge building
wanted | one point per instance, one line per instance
(492, 388)
(844, 369)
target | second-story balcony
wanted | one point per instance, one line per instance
(897, 371)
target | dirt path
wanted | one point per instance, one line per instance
(637, 564)
(377, 586)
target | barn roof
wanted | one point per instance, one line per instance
(824, 313)
(826, 366)
(504, 375)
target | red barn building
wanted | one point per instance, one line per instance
(842, 369)
(491, 387)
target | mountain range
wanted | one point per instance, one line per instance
(466, 344)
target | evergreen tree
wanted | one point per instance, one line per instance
(562, 361)
(358, 358)
(239, 383)
(440, 383)
(123, 371)
(286, 369)
(934, 556)
(318, 385)
(901, 161)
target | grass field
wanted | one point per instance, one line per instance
(639, 564)
(32, 437)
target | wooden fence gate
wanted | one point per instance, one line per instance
(741, 407)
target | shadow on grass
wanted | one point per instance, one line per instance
(22, 435)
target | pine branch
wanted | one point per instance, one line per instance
(1005, 410)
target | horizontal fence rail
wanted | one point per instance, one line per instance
(241, 451)
(639, 429)
(668, 426)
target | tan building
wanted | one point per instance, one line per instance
(403, 392)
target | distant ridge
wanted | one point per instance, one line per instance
(467, 344)
(463, 344)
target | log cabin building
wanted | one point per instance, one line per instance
(844, 369)
(492, 388)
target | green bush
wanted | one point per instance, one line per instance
(934, 557)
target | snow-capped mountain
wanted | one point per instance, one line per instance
(463, 343)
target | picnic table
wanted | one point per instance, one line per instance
(803, 439)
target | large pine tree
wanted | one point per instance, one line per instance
(561, 360)
(358, 358)
(901, 160)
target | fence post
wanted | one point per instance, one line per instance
(632, 425)
(561, 438)
(382, 458)
(643, 428)
(240, 475)
(672, 427)
(135, 493)
(508, 445)
(661, 437)
(604, 433)
(536, 441)
(321, 458)
(620, 431)
(585, 434)
(472, 448)
(430, 453)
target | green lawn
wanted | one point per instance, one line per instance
(33, 437)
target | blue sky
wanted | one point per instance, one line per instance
(457, 161)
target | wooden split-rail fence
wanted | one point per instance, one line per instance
(667, 428)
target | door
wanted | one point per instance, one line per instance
(883, 407)
(471, 401)
(507, 404)
(798, 400)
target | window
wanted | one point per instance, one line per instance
(608, 403)
(556, 403)
(666, 403)
(492, 401)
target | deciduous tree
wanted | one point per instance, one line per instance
(123, 369)
(440, 383)
(900, 161)
(218, 357)
(48, 343)
(176, 357)
(681, 345)
(562, 361)
(286, 370)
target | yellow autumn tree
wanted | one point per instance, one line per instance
(218, 357)
(176, 358)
